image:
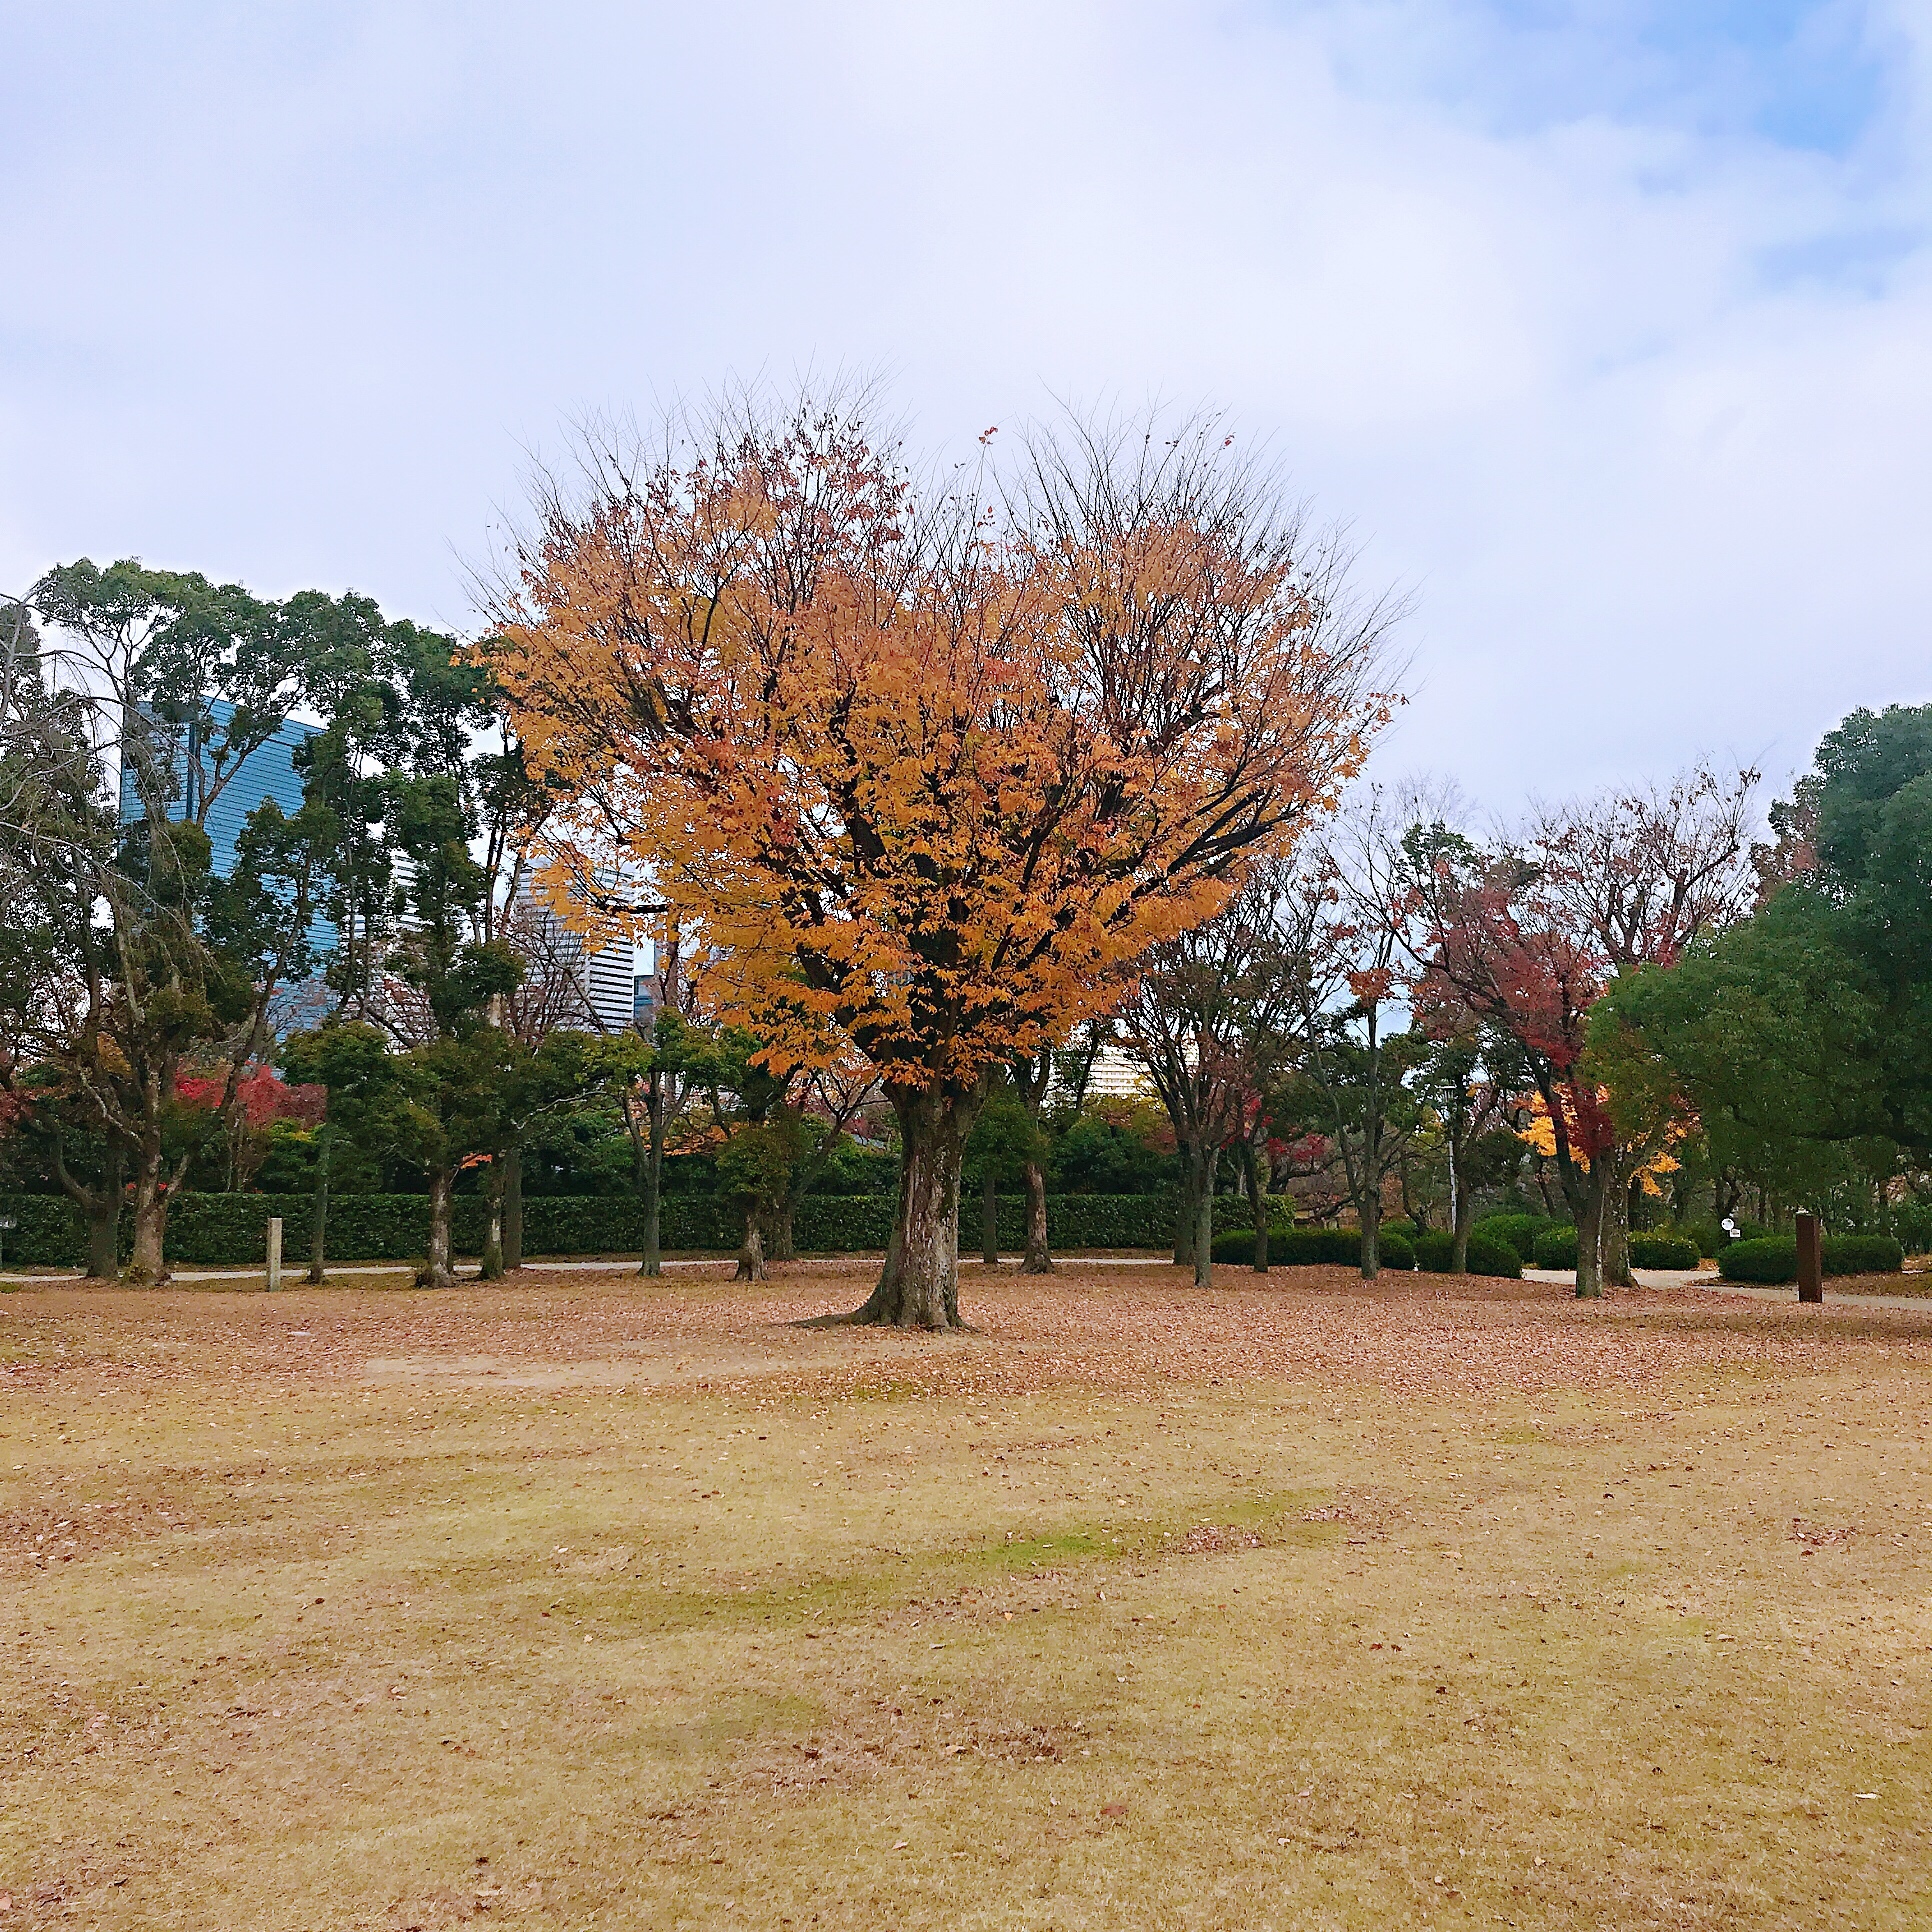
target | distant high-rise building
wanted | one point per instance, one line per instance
(267, 772)
(602, 982)
(1118, 1075)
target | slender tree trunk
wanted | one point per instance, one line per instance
(651, 1182)
(1369, 1213)
(148, 1267)
(1616, 1225)
(319, 1210)
(492, 1266)
(1204, 1224)
(1038, 1259)
(1187, 1219)
(1589, 1235)
(989, 1219)
(1465, 1218)
(1258, 1202)
(919, 1285)
(513, 1208)
(437, 1270)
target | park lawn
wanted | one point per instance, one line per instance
(591, 1602)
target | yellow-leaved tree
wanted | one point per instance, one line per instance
(925, 769)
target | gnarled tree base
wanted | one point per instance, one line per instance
(919, 1285)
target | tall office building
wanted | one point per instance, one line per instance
(267, 772)
(600, 983)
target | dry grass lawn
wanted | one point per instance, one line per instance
(592, 1603)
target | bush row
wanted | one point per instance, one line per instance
(1556, 1248)
(1515, 1231)
(1774, 1258)
(1313, 1247)
(1487, 1256)
(216, 1230)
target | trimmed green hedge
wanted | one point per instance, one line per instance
(1664, 1251)
(1436, 1250)
(49, 1233)
(231, 1230)
(1312, 1248)
(1556, 1247)
(1774, 1258)
(1518, 1231)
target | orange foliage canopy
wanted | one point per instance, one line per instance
(922, 772)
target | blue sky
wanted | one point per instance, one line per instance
(1606, 327)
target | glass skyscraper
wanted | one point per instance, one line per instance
(267, 772)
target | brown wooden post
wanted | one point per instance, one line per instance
(1811, 1277)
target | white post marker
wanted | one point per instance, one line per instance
(274, 1252)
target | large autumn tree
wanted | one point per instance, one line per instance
(926, 766)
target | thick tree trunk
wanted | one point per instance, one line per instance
(1459, 1243)
(319, 1210)
(148, 1267)
(1204, 1224)
(1258, 1204)
(103, 1215)
(1589, 1235)
(751, 1253)
(437, 1270)
(1370, 1215)
(989, 1219)
(919, 1285)
(783, 1243)
(513, 1209)
(1038, 1259)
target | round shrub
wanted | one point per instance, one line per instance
(1556, 1248)
(1861, 1254)
(1770, 1259)
(1663, 1251)
(1518, 1231)
(1435, 1252)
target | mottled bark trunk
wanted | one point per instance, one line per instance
(751, 1251)
(319, 1209)
(148, 1266)
(513, 1209)
(1038, 1259)
(437, 1270)
(919, 1285)
(783, 1243)
(989, 1219)
(492, 1263)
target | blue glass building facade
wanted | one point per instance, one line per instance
(267, 772)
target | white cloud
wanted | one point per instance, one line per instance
(1636, 399)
